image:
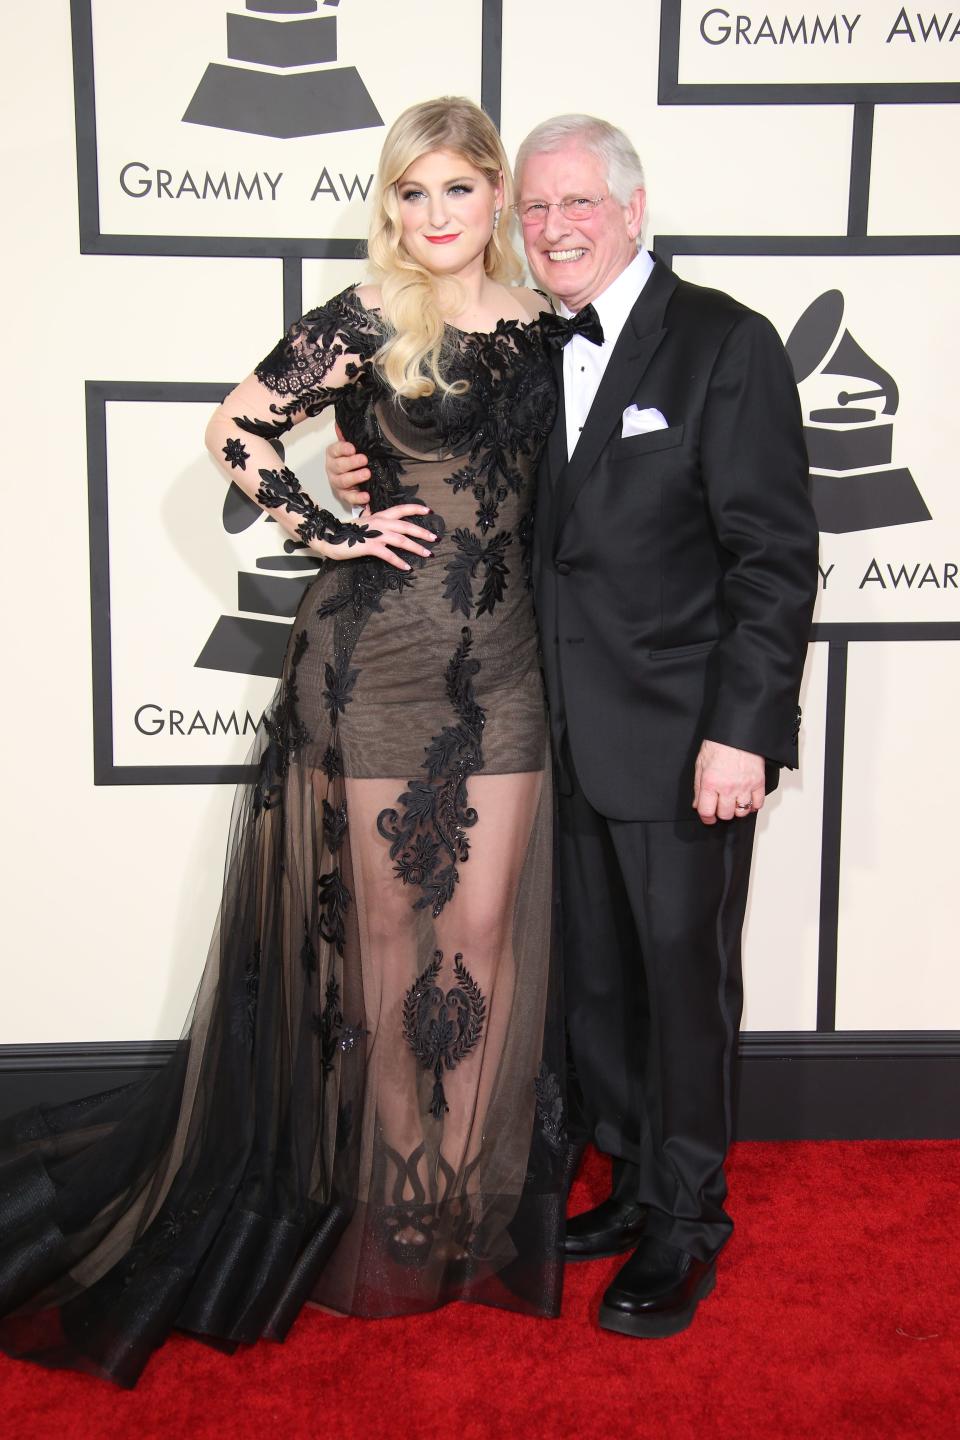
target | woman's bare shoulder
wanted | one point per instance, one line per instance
(369, 296)
(535, 302)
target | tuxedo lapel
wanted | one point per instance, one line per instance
(638, 343)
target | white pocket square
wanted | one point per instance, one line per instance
(640, 422)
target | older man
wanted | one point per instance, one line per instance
(675, 571)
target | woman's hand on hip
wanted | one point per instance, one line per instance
(382, 535)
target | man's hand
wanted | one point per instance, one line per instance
(347, 471)
(727, 783)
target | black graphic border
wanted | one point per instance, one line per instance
(672, 91)
(668, 247)
(100, 393)
(94, 242)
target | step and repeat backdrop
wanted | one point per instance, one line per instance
(185, 177)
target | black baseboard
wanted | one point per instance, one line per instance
(849, 1085)
(853, 1085)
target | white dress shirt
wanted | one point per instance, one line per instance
(584, 362)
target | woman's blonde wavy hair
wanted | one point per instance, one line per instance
(411, 357)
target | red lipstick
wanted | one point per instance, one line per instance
(441, 239)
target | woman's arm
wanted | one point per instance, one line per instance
(300, 378)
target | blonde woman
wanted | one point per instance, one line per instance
(366, 1110)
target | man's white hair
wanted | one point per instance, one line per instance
(610, 145)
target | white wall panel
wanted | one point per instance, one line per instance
(323, 279)
(781, 936)
(897, 967)
(920, 197)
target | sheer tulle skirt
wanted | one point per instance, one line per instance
(365, 1110)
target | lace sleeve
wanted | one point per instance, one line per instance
(301, 364)
(318, 356)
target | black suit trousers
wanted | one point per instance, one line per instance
(652, 916)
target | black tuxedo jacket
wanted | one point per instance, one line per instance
(675, 572)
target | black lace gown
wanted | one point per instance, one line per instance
(366, 1109)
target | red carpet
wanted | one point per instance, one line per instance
(836, 1314)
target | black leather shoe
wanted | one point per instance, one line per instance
(611, 1228)
(657, 1292)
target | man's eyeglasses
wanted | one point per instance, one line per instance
(572, 207)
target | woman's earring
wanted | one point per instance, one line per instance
(496, 217)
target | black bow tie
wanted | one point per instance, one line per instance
(557, 329)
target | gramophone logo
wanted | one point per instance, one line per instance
(250, 644)
(853, 482)
(284, 81)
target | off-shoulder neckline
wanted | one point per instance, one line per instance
(471, 334)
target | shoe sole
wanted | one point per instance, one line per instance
(657, 1326)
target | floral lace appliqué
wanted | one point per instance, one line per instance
(331, 1030)
(428, 840)
(441, 1029)
(281, 487)
(470, 555)
(286, 734)
(174, 1223)
(236, 453)
(243, 1010)
(507, 413)
(334, 903)
(550, 1108)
